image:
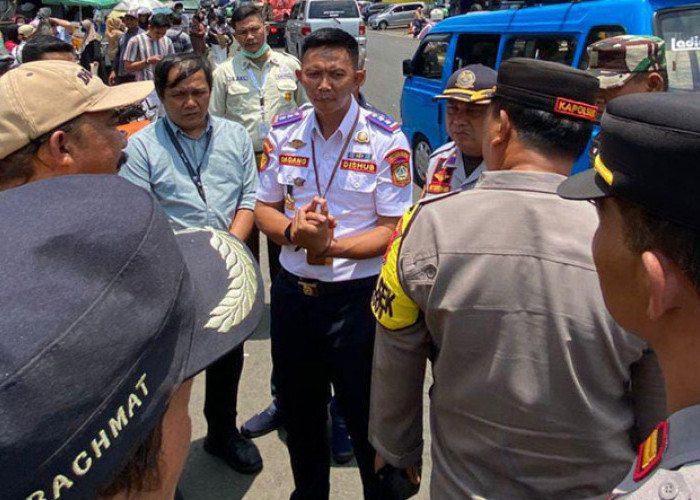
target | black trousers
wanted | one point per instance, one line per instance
(221, 393)
(316, 342)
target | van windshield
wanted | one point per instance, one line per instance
(327, 9)
(681, 31)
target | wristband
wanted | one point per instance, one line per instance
(288, 233)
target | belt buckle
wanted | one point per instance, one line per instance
(310, 289)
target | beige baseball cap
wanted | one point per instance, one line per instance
(39, 96)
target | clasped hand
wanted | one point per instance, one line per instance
(312, 226)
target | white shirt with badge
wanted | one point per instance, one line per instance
(373, 179)
(446, 172)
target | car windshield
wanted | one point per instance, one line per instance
(681, 31)
(327, 9)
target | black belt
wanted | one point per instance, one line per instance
(315, 288)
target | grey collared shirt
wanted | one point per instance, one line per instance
(228, 172)
(534, 383)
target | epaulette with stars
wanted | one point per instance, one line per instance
(287, 118)
(383, 122)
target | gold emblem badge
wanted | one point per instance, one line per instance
(289, 202)
(296, 144)
(287, 96)
(466, 79)
(362, 136)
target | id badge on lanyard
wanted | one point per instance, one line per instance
(264, 127)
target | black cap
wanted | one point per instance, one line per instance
(649, 150)
(548, 86)
(474, 84)
(102, 320)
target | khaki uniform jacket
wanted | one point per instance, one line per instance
(235, 96)
(536, 391)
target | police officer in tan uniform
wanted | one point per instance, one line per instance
(459, 163)
(644, 184)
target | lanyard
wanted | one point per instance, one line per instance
(337, 162)
(260, 88)
(194, 174)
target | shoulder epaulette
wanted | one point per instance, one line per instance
(442, 149)
(383, 122)
(425, 201)
(651, 452)
(286, 118)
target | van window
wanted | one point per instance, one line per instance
(295, 11)
(477, 49)
(681, 31)
(546, 48)
(597, 34)
(327, 9)
(430, 57)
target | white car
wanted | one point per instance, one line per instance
(311, 15)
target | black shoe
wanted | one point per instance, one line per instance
(341, 446)
(262, 423)
(238, 452)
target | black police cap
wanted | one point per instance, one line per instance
(649, 150)
(548, 86)
(105, 313)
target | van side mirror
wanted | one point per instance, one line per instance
(407, 67)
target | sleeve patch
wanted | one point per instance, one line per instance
(384, 122)
(265, 158)
(391, 306)
(286, 118)
(398, 155)
(401, 173)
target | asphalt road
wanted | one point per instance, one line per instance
(206, 478)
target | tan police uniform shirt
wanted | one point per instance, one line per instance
(446, 172)
(533, 380)
(373, 180)
(236, 92)
(668, 463)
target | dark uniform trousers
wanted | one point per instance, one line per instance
(221, 393)
(316, 341)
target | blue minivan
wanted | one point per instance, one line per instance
(558, 32)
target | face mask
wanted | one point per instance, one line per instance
(255, 55)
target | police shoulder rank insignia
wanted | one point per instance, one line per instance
(384, 122)
(265, 158)
(286, 118)
(391, 305)
(651, 451)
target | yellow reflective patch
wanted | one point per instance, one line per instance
(391, 306)
(603, 171)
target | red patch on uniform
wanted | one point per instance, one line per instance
(366, 167)
(575, 108)
(401, 173)
(651, 451)
(440, 183)
(265, 157)
(294, 161)
(398, 155)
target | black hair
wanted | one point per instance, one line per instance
(187, 63)
(642, 76)
(544, 131)
(160, 21)
(645, 231)
(245, 12)
(332, 38)
(37, 46)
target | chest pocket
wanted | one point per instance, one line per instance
(235, 89)
(286, 84)
(357, 181)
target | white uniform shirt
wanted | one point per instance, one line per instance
(668, 464)
(372, 180)
(446, 172)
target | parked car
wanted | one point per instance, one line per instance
(399, 14)
(276, 36)
(372, 9)
(308, 16)
(558, 33)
